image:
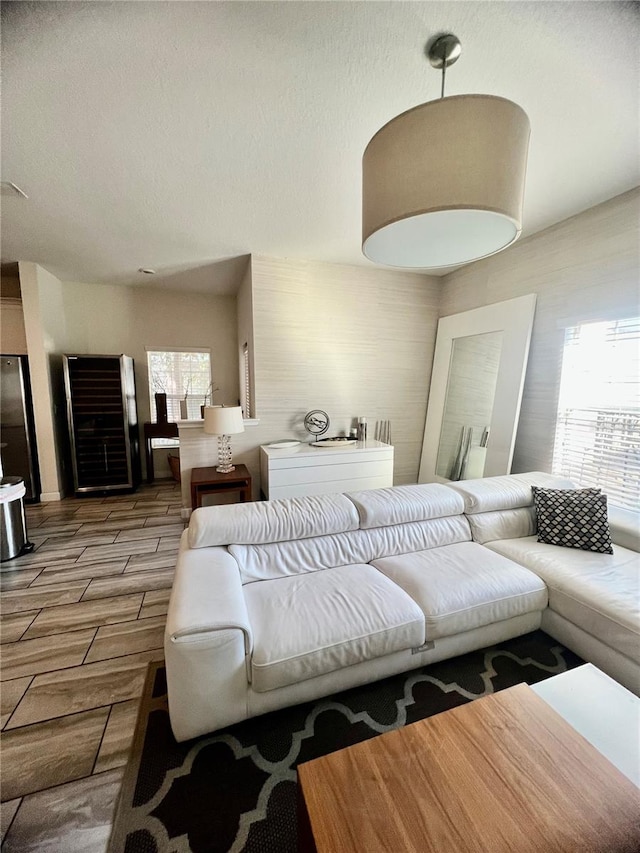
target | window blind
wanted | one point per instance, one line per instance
(180, 375)
(246, 372)
(597, 440)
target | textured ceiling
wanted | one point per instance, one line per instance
(179, 135)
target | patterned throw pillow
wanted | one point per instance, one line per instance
(573, 518)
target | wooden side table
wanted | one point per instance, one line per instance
(207, 481)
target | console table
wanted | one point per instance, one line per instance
(207, 481)
(307, 470)
(166, 429)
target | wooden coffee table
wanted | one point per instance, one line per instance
(503, 774)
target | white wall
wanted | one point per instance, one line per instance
(584, 269)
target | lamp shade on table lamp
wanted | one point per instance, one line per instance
(223, 421)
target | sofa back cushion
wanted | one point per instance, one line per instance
(402, 504)
(282, 559)
(502, 507)
(625, 527)
(502, 524)
(510, 491)
(263, 522)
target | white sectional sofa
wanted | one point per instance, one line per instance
(594, 599)
(275, 603)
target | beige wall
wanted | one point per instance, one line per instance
(13, 339)
(353, 341)
(117, 319)
(584, 269)
(63, 317)
(10, 282)
(45, 329)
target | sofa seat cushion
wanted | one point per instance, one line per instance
(599, 593)
(308, 625)
(464, 586)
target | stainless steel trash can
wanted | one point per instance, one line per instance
(13, 528)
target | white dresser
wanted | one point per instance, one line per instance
(307, 470)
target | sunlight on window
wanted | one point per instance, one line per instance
(598, 429)
(182, 376)
(246, 399)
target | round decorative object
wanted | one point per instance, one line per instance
(316, 422)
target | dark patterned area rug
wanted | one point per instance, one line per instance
(235, 790)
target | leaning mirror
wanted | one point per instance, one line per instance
(476, 390)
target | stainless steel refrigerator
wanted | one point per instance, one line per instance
(17, 431)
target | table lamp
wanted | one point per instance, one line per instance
(223, 421)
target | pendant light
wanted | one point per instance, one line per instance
(443, 183)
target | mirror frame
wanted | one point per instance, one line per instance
(514, 318)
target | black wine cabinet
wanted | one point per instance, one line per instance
(103, 422)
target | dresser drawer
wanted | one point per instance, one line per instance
(327, 488)
(307, 470)
(346, 472)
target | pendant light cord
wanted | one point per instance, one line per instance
(443, 51)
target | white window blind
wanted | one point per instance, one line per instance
(180, 374)
(246, 382)
(597, 439)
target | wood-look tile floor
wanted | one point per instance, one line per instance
(80, 619)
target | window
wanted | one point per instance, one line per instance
(181, 375)
(598, 429)
(247, 403)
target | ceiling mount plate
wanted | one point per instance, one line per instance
(444, 50)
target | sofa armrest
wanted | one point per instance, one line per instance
(207, 596)
(207, 645)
